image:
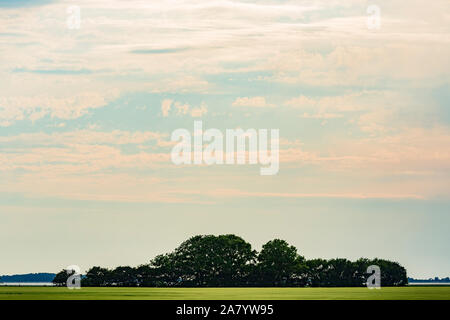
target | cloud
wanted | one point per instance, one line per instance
(344, 103)
(183, 108)
(33, 108)
(181, 84)
(199, 111)
(53, 71)
(5, 123)
(372, 110)
(23, 3)
(115, 137)
(158, 51)
(165, 107)
(356, 64)
(331, 107)
(321, 116)
(82, 151)
(408, 150)
(257, 102)
(224, 193)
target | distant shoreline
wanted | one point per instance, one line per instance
(429, 284)
(26, 284)
(50, 284)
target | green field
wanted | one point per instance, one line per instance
(388, 293)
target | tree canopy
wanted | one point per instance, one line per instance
(230, 261)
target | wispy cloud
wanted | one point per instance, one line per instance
(23, 3)
(256, 102)
(158, 51)
(52, 71)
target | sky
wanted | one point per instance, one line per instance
(359, 91)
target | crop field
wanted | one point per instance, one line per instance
(387, 293)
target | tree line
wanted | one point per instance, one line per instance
(230, 261)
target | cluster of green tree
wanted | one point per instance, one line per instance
(229, 261)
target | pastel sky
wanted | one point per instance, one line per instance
(86, 117)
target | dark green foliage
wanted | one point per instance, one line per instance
(392, 273)
(217, 261)
(124, 277)
(97, 277)
(229, 261)
(280, 265)
(332, 273)
(60, 278)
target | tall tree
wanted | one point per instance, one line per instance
(124, 277)
(213, 260)
(146, 276)
(339, 273)
(279, 264)
(97, 277)
(164, 269)
(61, 278)
(228, 260)
(317, 270)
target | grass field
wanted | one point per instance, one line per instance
(51, 293)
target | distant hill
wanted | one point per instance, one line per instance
(29, 277)
(430, 280)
